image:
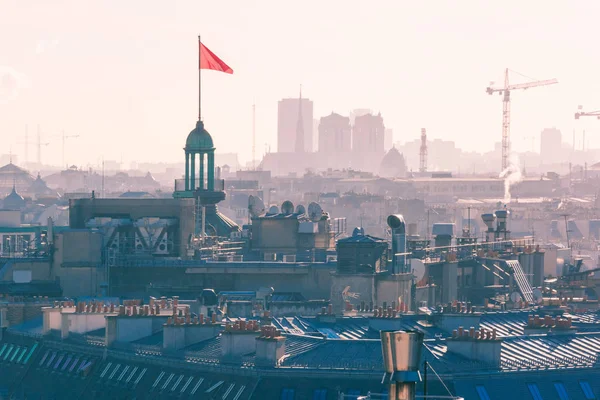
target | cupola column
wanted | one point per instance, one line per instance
(211, 170)
(187, 171)
(193, 174)
(201, 177)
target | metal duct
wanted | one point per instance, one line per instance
(398, 227)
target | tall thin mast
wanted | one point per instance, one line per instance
(199, 80)
(253, 136)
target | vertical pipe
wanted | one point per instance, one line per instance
(203, 224)
(425, 379)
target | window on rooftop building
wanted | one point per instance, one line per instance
(535, 391)
(483, 395)
(587, 390)
(562, 392)
(287, 394)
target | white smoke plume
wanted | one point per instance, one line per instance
(12, 82)
(511, 175)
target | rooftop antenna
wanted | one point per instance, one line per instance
(423, 151)
(567, 232)
(102, 191)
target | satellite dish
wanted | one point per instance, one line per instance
(538, 298)
(273, 210)
(287, 207)
(515, 297)
(418, 268)
(315, 212)
(300, 209)
(256, 207)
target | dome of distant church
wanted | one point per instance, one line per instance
(12, 175)
(14, 201)
(393, 164)
(199, 139)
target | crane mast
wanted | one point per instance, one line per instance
(505, 91)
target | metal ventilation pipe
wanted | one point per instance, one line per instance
(401, 357)
(398, 226)
(488, 220)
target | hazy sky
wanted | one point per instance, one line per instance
(123, 74)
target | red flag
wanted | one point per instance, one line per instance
(208, 60)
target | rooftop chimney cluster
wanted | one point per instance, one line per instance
(242, 326)
(327, 310)
(381, 312)
(92, 307)
(534, 321)
(473, 334)
(63, 304)
(396, 308)
(457, 307)
(187, 319)
(269, 332)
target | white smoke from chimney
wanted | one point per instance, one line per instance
(511, 175)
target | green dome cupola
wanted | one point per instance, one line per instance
(199, 139)
(199, 144)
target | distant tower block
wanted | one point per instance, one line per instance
(423, 151)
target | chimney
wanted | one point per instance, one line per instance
(488, 220)
(177, 336)
(238, 340)
(270, 347)
(401, 357)
(398, 227)
(443, 233)
(483, 346)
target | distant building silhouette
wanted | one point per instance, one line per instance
(551, 145)
(393, 165)
(300, 139)
(335, 140)
(335, 134)
(388, 139)
(368, 142)
(358, 112)
(287, 124)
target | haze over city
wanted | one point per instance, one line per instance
(123, 75)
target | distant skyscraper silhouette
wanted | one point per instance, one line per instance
(287, 124)
(300, 127)
(551, 145)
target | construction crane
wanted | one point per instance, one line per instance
(580, 113)
(506, 109)
(39, 147)
(64, 138)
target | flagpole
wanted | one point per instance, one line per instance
(199, 80)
